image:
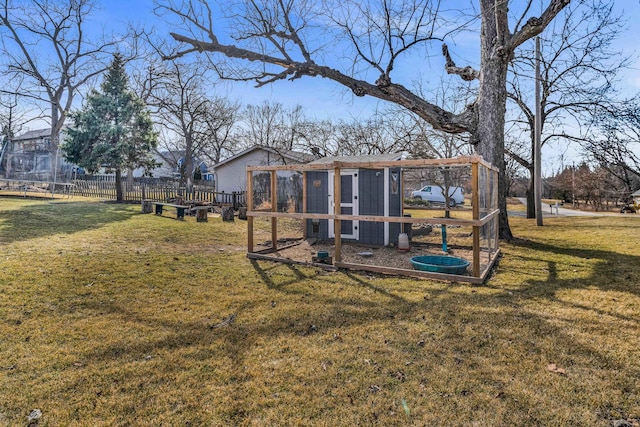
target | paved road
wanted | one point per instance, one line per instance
(547, 211)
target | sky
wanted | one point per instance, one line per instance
(322, 98)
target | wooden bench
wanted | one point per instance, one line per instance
(179, 208)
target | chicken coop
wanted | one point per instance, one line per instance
(365, 213)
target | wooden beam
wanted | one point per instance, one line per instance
(374, 218)
(475, 201)
(487, 195)
(462, 161)
(496, 228)
(409, 272)
(274, 208)
(492, 261)
(249, 209)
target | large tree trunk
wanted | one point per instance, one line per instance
(54, 144)
(119, 197)
(188, 164)
(130, 179)
(492, 99)
(531, 197)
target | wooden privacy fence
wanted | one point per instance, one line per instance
(160, 193)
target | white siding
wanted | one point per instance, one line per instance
(162, 171)
(232, 176)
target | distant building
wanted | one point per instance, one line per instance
(171, 163)
(28, 156)
(636, 198)
(231, 173)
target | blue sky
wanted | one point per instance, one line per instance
(323, 98)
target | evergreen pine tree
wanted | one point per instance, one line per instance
(114, 129)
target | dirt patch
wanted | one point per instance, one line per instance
(367, 255)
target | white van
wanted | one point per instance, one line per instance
(434, 194)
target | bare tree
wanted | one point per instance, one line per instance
(45, 42)
(277, 35)
(374, 135)
(272, 125)
(380, 133)
(578, 71)
(221, 129)
(13, 118)
(421, 140)
(320, 137)
(8, 127)
(615, 146)
(195, 124)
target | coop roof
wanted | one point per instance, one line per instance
(386, 157)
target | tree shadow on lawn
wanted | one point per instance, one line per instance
(469, 330)
(51, 218)
(611, 271)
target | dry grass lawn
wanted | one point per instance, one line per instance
(112, 317)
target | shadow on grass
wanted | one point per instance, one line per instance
(464, 332)
(265, 273)
(464, 340)
(611, 271)
(34, 221)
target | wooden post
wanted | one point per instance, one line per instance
(337, 224)
(537, 159)
(249, 210)
(402, 194)
(487, 192)
(304, 203)
(274, 208)
(201, 214)
(146, 206)
(496, 231)
(476, 216)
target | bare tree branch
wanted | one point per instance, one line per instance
(534, 26)
(467, 73)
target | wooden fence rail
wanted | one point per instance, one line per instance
(160, 193)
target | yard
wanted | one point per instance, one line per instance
(112, 317)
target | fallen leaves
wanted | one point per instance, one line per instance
(552, 367)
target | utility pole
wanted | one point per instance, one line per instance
(573, 185)
(537, 178)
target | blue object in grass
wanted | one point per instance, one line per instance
(440, 264)
(444, 238)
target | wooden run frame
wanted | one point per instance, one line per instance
(477, 276)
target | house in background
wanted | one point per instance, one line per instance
(636, 198)
(170, 163)
(231, 174)
(28, 156)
